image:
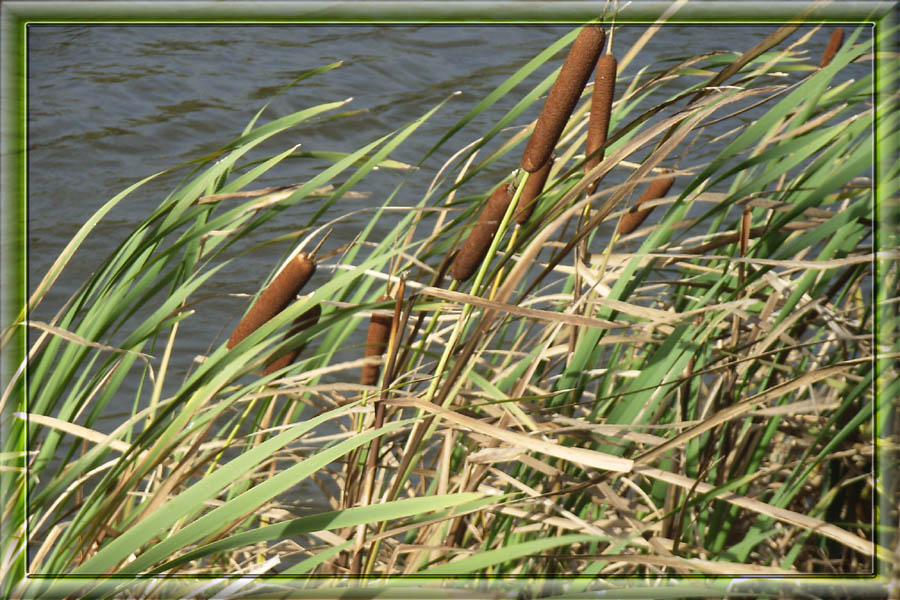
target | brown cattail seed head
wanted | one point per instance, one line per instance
(563, 97)
(376, 343)
(476, 245)
(601, 107)
(275, 297)
(834, 44)
(746, 217)
(533, 188)
(304, 321)
(657, 189)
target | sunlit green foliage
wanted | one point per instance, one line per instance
(651, 404)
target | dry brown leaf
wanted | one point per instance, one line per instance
(742, 407)
(834, 532)
(531, 313)
(713, 567)
(72, 337)
(578, 456)
(75, 430)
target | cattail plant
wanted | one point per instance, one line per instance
(601, 107)
(304, 321)
(376, 343)
(533, 188)
(834, 44)
(473, 250)
(657, 189)
(393, 459)
(275, 298)
(563, 97)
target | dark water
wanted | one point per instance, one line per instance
(108, 105)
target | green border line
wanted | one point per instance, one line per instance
(14, 18)
(886, 155)
(441, 11)
(12, 251)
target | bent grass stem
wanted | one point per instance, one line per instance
(460, 327)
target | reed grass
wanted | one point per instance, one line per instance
(715, 414)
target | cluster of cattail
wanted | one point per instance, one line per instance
(537, 158)
(474, 249)
(601, 108)
(834, 44)
(563, 97)
(657, 189)
(376, 343)
(280, 293)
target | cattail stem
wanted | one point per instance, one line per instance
(601, 108)
(563, 97)
(474, 249)
(396, 322)
(230, 438)
(834, 44)
(657, 189)
(275, 298)
(743, 244)
(422, 431)
(746, 218)
(377, 339)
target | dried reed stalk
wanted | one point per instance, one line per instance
(304, 321)
(376, 343)
(657, 189)
(533, 188)
(601, 107)
(834, 44)
(746, 219)
(563, 97)
(286, 285)
(476, 245)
